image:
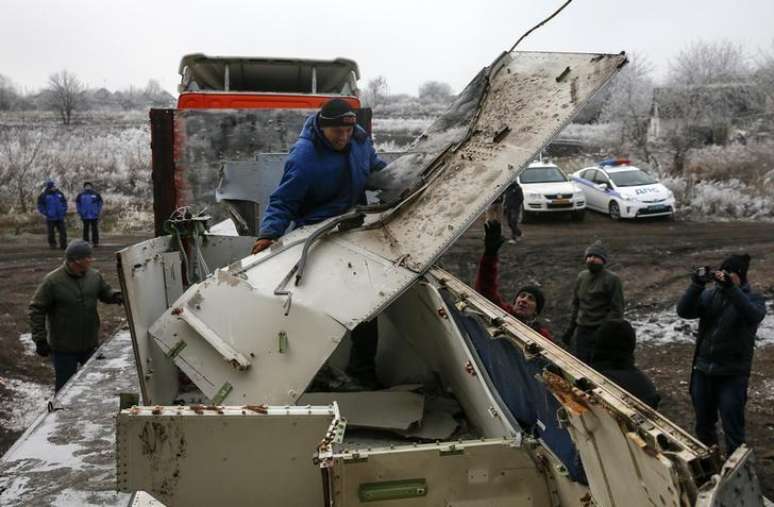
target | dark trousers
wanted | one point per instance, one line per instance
(91, 224)
(583, 341)
(66, 364)
(512, 215)
(57, 225)
(365, 341)
(723, 394)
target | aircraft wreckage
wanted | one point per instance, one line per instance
(478, 410)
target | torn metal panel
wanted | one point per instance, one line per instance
(630, 452)
(67, 456)
(390, 410)
(435, 425)
(261, 454)
(249, 323)
(523, 106)
(494, 472)
(736, 484)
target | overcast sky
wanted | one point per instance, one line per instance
(115, 43)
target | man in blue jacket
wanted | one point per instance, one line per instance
(89, 206)
(53, 205)
(729, 315)
(325, 173)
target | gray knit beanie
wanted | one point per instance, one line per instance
(597, 249)
(77, 250)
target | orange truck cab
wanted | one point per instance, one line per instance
(233, 109)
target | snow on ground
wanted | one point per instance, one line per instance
(29, 399)
(666, 327)
(29, 345)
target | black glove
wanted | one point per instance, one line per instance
(117, 299)
(42, 348)
(701, 276)
(493, 237)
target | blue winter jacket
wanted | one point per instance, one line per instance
(319, 182)
(89, 204)
(728, 322)
(52, 204)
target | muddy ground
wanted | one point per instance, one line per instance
(652, 258)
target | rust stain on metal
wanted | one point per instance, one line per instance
(572, 399)
(259, 409)
(442, 313)
(177, 311)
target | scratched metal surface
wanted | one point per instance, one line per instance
(529, 98)
(67, 457)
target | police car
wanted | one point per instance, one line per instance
(548, 190)
(623, 191)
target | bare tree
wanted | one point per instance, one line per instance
(19, 149)
(65, 94)
(376, 91)
(629, 103)
(435, 91)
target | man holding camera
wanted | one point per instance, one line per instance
(729, 314)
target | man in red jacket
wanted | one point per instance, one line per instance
(529, 299)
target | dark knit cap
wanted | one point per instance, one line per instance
(540, 298)
(738, 264)
(336, 113)
(597, 249)
(614, 344)
(50, 183)
(77, 250)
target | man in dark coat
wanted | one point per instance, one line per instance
(529, 299)
(53, 205)
(729, 314)
(89, 206)
(613, 357)
(63, 312)
(597, 297)
(512, 204)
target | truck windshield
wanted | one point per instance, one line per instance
(542, 175)
(631, 178)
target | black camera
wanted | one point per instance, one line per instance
(705, 274)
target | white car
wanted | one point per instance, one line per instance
(548, 190)
(621, 190)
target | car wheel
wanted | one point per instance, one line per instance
(578, 216)
(614, 210)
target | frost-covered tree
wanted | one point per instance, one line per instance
(435, 91)
(376, 91)
(705, 63)
(65, 94)
(19, 150)
(764, 73)
(709, 86)
(8, 94)
(629, 103)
